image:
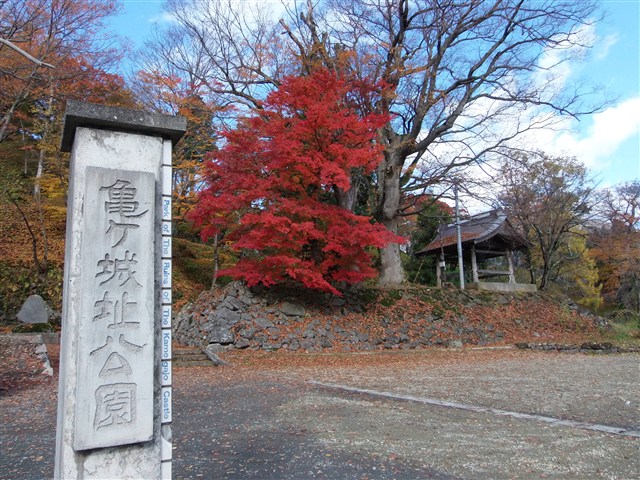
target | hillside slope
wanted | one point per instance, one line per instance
(367, 319)
(30, 225)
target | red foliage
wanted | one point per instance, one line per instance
(274, 182)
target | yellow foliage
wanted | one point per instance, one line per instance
(578, 275)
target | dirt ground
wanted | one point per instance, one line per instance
(262, 418)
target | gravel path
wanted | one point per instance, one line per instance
(592, 388)
(262, 419)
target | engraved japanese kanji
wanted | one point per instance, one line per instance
(122, 269)
(115, 405)
(122, 199)
(116, 312)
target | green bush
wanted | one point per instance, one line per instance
(33, 328)
(18, 282)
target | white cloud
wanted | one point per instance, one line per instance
(162, 18)
(608, 130)
(596, 143)
(595, 140)
(556, 63)
(603, 46)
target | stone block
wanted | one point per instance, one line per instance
(263, 322)
(166, 208)
(216, 348)
(292, 309)
(166, 470)
(166, 296)
(166, 273)
(165, 345)
(34, 310)
(166, 446)
(110, 387)
(248, 333)
(166, 316)
(166, 185)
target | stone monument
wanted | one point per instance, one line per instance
(114, 397)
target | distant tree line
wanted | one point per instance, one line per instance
(421, 92)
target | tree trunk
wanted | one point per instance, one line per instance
(347, 199)
(636, 285)
(39, 172)
(546, 271)
(32, 234)
(45, 240)
(6, 120)
(216, 259)
(512, 271)
(474, 264)
(46, 127)
(391, 270)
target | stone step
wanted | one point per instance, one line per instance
(194, 363)
(190, 357)
(185, 350)
(179, 362)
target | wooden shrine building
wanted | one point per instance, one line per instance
(485, 237)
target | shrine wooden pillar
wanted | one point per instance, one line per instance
(474, 264)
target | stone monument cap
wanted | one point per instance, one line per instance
(84, 114)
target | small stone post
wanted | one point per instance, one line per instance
(114, 396)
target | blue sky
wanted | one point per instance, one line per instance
(607, 142)
(137, 19)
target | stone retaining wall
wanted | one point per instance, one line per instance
(237, 317)
(587, 347)
(31, 351)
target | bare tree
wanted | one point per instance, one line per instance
(49, 32)
(234, 48)
(549, 200)
(617, 244)
(620, 206)
(457, 68)
(463, 75)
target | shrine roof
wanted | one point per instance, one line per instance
(477, 230)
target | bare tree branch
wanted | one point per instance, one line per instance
(10, 44)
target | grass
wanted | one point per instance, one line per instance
(625, 328)
(625, 334)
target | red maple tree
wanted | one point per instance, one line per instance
(274, 186)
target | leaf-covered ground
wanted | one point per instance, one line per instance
(261, 418)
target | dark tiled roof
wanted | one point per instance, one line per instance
(475, 230)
